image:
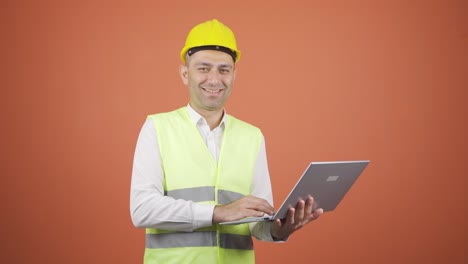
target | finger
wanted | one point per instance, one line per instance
(277, 228)
(259, 204)
(299, 214)
(318, 212)
(308, 206)
(264, 209)
(279, 223)
(290, 217)
(315, 214)
(254, 213)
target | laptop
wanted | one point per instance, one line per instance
(327, 182)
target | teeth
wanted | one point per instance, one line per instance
(212, 91)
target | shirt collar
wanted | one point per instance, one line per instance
(197, 118)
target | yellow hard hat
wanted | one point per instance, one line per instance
(210, 35)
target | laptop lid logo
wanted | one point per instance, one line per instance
(332, 178)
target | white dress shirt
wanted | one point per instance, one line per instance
(149, 207)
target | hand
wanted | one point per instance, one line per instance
(241, 208)
(295, 219)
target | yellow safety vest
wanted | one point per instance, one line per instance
(191, 173)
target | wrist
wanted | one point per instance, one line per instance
(215, 219)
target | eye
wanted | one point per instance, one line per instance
(224, 70)
(203, 69)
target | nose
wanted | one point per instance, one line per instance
(213, 77)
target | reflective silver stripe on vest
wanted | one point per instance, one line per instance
(174, 240)
(225, 197)
(231, 241)
(195, 194)
(205, 193)
(198, 239)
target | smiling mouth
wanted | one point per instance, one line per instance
(213, 91)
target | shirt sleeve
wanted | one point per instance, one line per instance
(149, 207)
(261, 187)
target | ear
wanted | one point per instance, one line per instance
(234, 73)
(183, 71)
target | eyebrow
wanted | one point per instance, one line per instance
(225, 66)
(222, 65)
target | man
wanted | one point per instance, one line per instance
(198, 166)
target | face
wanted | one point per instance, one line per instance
(209, 75)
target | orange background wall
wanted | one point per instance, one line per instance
(324, 80)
